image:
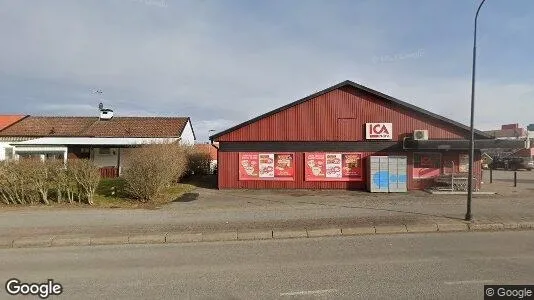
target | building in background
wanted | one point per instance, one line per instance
(326, 140)
(8, 120)
(106, 139)
(211, 150)
(512, 158)
(509, 131)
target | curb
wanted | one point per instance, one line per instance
(237, 235)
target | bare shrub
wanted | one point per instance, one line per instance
(86, 176)
(199, 163)
(151, 168)
(39, 175)
(63, 181)
(15, 183)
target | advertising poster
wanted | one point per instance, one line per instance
(426, 165)
(463, 167)
(352, 165)
(266, 166)
(333, 166)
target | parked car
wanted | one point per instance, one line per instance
(512, 163)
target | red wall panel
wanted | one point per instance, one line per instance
(318, 120)
(228, 173)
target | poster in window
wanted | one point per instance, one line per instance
(266, 166)
(426, 165)
(320, 166)
(352, 165)
(463, 166)
(333, 165)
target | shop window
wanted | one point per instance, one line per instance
(426, 165)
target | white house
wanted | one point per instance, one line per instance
(106, 140)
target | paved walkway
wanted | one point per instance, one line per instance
(207, 211)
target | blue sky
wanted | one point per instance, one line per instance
(223, 62)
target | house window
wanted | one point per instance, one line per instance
(54, 156)
(426, 165)
(104, 151)
(9, 153)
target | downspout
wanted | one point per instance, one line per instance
(118, 161)
(217, 180)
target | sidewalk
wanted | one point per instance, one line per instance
(206, 215)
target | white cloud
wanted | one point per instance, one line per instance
(197, 58)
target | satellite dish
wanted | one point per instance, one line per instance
(101, 106)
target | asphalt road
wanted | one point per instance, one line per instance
(406, 266)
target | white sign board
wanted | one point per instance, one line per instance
(379, 131)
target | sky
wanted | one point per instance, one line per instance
(224, 62)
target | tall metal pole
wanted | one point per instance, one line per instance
(468, 215)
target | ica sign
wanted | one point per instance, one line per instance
(379, 131)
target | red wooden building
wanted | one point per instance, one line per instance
(324, 140)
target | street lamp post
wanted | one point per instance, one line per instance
(468, 215)
(209, 132)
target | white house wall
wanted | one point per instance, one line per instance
(105, 160)
(3, 147)
(188, 137)
(95, 141)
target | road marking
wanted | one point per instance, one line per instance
(308, 292)
(468, 282)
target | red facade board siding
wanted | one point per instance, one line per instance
(228, 173)
(319, 120)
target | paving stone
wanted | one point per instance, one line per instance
(183, 237)
(324, 232)
(71, 241)
(109, 240)
(147, 239)
(32, 242)
(486, 226)
(6, 243)
(358, 230)
(219, 236)
(255, 235)
(422, 228)
(284, 234)
(448, 227)
(390, 229)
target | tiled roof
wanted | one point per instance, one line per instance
(94, 127)
(6, 120)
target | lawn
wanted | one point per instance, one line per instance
(111, 193)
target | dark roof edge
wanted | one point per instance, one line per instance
(190, 125)
(26, 116)
(357, 86)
